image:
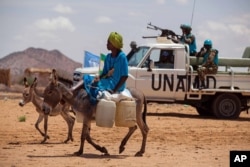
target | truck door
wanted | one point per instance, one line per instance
(158, 84)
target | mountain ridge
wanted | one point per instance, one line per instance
(32, 57)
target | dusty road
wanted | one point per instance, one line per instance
(177, 137)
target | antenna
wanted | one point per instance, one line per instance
(192, 13)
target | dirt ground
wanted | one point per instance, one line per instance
(178, 137)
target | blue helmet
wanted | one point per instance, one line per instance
(208, 42)
(185, 26)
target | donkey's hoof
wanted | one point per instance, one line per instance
(42, 142)
(104, 150)
(139, 154)
(78, 153)
(121, 149)
(46, 136)
(66, 141)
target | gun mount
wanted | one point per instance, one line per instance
(164, 32)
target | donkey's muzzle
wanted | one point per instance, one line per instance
(46, 108)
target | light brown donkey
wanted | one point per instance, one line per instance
(29, 95)
(56, 91)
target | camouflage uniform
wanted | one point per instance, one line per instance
(209, 66)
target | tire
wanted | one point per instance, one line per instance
(226, 106)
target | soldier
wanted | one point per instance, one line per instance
(166, 59)
(134, 48)
(188, 38)
(210, 61)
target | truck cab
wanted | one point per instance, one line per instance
(156, 69)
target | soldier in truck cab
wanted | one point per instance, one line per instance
(166, 59)
(187, 38)
(134, 49)
(209, 63)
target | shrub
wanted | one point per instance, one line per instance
(22, 118)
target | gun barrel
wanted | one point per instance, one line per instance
(164, 32)
(151, 28)
(149, 36)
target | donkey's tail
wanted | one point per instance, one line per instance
(144, 114)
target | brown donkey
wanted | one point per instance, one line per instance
(29, 95)
(56, 91)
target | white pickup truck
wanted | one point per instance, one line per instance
(227, 92)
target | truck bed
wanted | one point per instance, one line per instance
(226, 62)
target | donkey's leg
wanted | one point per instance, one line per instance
(144, 139)
(85, 131)
(141, 103)
(142, 125)
(39, 120)
(70, 122)
(97, 147)
(45, 129)
(126, 138)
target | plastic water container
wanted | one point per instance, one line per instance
(105, 113)
(125, 114)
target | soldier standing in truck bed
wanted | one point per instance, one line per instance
(187, 38)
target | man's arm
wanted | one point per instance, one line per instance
(202, 52)
(189, 40)
(122, 81)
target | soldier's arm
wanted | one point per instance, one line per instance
(190, 39)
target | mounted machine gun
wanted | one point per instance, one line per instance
(164, 32)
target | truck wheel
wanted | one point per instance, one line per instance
(227, 106)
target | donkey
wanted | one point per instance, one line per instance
(56, 91)
(29, 95)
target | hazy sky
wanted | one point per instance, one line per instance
(73, 26)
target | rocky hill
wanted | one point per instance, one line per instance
(17, 62)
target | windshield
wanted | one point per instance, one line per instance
(138, 56)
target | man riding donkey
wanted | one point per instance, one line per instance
(114, 73)
(111, 82)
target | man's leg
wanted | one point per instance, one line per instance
(202, 71)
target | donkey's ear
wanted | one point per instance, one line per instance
(53, 77)
(25, 82)
(54, 73)
(53, 70)
(34, 82)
